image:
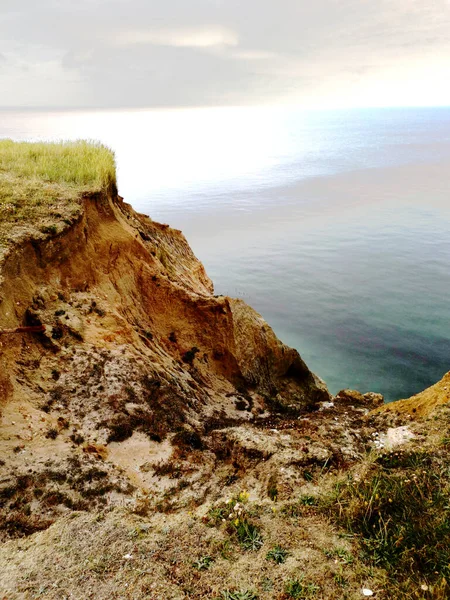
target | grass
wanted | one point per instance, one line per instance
(272, 487)
(341, 555)
(83, 164)
(400, 514)
(40, 183)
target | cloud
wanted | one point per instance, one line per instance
(41, 83)
(254, 55)
(179, 38)
(208, 52)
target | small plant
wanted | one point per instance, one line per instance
(235, 595)
(101, 565)
(299, 589)
(307, 500)
(308, 476)
(55, 374)
(57, 333)
(225, 549)
(231, 509)
(272, 487)
(217, 514)
(188, 440)
(203, 563)
(339, 578)
(249, 535)
(140, 531)
(52, 229)
(169, 468)
(292, 510)
(52, 433)
(345, 557)
(77, 438)
(277, 554)
(243, 497)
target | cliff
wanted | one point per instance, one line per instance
(158, 441)
(134, 346)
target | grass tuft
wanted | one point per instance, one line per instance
(41, 183)
(80, 163)
(400, 513)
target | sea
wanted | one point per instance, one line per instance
(334, 225)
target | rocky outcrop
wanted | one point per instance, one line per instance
(355, 398)
(424, 403)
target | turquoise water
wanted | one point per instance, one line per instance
(335, 226)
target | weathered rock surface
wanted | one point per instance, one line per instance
(135, 342)
(353, 397)
(424, 403)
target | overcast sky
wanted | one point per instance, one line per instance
(136, 53)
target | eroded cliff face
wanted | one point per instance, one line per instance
(168, 445)
(136, 350)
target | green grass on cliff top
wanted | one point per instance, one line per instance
(41, 183)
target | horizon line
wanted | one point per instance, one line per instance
(96, 108)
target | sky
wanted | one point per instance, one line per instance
(184, 53)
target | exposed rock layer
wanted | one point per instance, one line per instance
(179, 413)
(424, 403)
(135, 341)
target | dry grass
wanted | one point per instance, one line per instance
(119, 555)
(397, 509)
(244, 545)
(41, 183)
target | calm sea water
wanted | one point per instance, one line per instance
(335, 226)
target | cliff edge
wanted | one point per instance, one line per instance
(113, 343)
(159, 442)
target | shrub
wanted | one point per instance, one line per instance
(52, 433)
